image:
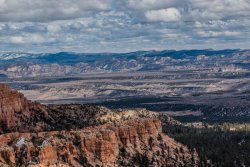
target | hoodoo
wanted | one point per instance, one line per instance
(40, 136)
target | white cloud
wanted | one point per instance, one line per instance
(49, 10)
(16, 39)
(154, 4)
(218, 34)
(165, 15)
(53, 28)
(50, 25)
(218, 9)
(29, 39)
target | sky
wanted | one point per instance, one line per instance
(123, 25)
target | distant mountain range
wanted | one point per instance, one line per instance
(20, 64)
(88, 56)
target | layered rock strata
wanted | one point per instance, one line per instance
(35, 135)
(109, 145)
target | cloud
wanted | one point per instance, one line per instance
(49, 10)
(166, 15)
(53, 28)
(127, 25)
(153, 4)
(16, 39)
(218, 34)
(218, 9)
(29, 39)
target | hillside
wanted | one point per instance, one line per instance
(78, 135)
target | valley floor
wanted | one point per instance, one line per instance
(197, 95)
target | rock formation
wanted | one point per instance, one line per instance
(19, 114)
(126, 144)
(78, 135)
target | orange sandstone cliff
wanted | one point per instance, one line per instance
(127, 144)
(43, 141)
(19, 114)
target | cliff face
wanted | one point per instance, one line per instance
(128, 144)
(17, 113)
(77, 135)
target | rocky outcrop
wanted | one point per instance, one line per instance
(19, 114)
(97, 115)
(128, 144)
(81, 135)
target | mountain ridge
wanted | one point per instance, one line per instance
(67, 63)
(8, 55)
